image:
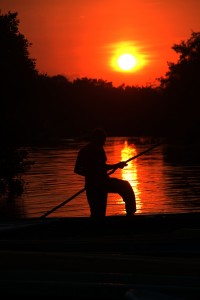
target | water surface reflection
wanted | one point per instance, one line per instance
(160, 186)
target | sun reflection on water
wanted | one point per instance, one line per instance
(130, 173)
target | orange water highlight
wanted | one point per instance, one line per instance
(130, 172)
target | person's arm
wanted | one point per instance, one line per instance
(119, 165)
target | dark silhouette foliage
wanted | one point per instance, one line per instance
(17, 77)
(181, 88)
(17, 72)
(186, 70)
(13, 164)
(15, 62)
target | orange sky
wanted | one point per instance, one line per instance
(80, 38)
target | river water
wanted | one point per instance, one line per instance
(163, 183)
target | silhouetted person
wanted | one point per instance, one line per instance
(91, 163)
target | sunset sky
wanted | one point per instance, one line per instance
(85, 38)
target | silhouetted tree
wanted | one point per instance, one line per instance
(16, 65)
(185, 73)
(17, 75)
(181, 87)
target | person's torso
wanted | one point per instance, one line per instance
(94, 159)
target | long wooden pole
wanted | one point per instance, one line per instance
(81, 191)
(145, 151)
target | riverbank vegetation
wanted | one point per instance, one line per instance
(37, 106)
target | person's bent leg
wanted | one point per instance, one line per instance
(128, 196)
(124, 189)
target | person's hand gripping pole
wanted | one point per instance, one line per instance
(119, 165)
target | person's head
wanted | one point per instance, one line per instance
(98, 136)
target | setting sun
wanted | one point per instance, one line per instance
(86, 38)
(127, 57)
(127, 61)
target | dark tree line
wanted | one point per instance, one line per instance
(36, 107)
(181, 87)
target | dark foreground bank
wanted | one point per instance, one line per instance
(147, 257)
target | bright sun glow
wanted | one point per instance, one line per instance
(127, 61)
(127, 57)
